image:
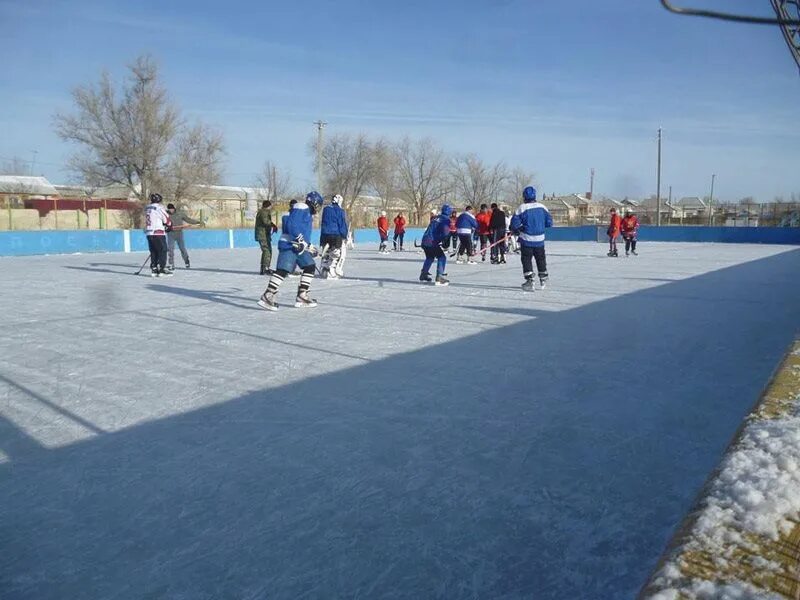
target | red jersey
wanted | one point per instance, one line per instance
(613, 226)
(483, 220)
(629, 225)
(453, 219)
(383, 224)
(399, 224)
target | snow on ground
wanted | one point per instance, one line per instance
(166, 438)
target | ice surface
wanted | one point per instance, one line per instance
(165, 438)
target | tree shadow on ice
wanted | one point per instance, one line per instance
(553, 462)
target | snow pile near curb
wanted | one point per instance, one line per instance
(753, 500)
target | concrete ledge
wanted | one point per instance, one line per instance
(751, 564)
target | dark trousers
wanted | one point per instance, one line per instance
(465, 244)
(528, 256)
(434, 253)
(334, 242)
(266, 254)
(158, 252)
(398, 236)
(498, 251)
(630, 244)
(484, 243)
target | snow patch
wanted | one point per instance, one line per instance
(757, 491)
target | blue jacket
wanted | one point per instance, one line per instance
(530, 221)
(333, 221)
(296, 223)
(466, 224)
(437, 231)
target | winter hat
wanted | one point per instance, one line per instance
(155, 198)
(337, 199)
(170, 206)
(529, 194)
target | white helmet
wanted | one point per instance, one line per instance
(383, 213)
(337, 199)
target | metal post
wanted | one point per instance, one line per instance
(591, 184)
(658, 184)
(320, 126)
(711, 202)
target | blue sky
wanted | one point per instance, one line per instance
(555, 87)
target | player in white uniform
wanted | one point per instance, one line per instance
(156, 225)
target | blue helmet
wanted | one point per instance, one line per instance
(314, 199)
(529, 194)
(447, 210)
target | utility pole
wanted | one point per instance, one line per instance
(33, 162)
(320, 126)
(711, 202)
(658, 185)
(591, 184)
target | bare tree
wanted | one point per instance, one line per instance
(15, 166)
(477, 182)
(385, 175)
(274, 183)
(421, 171)
(349, 164)
(518, 179)
(136, 138)
(195, 161)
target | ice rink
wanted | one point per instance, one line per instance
(166, 438)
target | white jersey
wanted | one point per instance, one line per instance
(156, 219)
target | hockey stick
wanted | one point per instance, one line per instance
(142, 267)
(490, 246)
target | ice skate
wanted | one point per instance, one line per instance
(527, 286)
(188, 265)
(471, 262)
(425, 277)
(635, 253)
(153, 273)
(267, 302)
(442, 280)
(303, 301)
(166, 273)
(542, 284)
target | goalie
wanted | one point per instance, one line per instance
(333, 233)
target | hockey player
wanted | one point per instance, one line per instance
(497, 223)
(512, 239)
(629, 226)
(613, 233)
(294, 249)
(264, 228)
(333, 233)
(452, 237)
(399, 231)
(466, 225)
(530, 221)
(438, 230)
(179, 218)
(484, 218)
(156, 225)
(383, 232)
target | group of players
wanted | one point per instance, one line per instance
(523, 232)
(627, 227)
(527, 227)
